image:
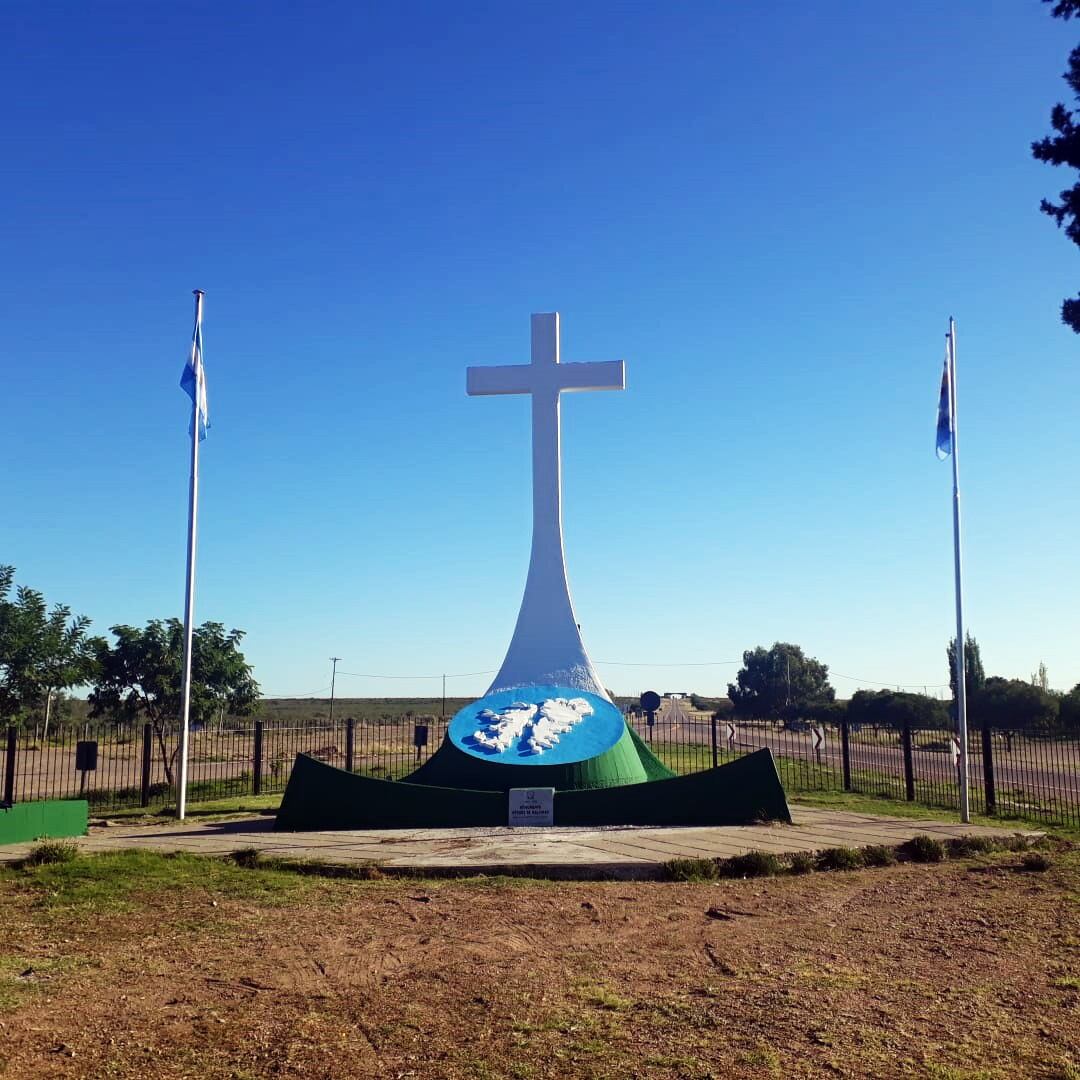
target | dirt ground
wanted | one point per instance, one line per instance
(178, 967)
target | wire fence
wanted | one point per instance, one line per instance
(117, 765)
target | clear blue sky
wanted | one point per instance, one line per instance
(769, 211)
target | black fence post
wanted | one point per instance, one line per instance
(845, 754)
(989, 786)
(909, 764)
(257, 760)
(147, 737)
(9, 767)
(350, 743)
(712, 725)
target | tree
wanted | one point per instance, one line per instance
(1041, 678)
(1063, 148)
(1070, 709)
(894, 709)
(780, 682)
(974, 675)
(1014, 705)
(41, 651)
(141, 675)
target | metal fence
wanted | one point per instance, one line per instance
(121, 765)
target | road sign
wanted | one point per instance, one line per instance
(819, 737)
(730, 734)
(650, 701)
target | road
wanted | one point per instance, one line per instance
(1034, 774)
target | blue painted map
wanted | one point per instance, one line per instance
(537, 725)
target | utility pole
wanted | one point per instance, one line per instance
(333, 680)
(444, 696)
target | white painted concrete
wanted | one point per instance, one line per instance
(546, 648)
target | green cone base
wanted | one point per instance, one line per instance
(629, 761)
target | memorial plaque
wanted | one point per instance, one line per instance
(532, 806)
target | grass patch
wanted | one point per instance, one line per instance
(237, 804)
(923, 849)
(691, 870)
(113, 881)
(50, 852)
(22, 976)
(840, 858)
(604, 998)
(752, 864)
(253, 859)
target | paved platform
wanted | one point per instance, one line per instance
(621, 851)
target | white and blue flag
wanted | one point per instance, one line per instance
(945, 426)
(193, 380)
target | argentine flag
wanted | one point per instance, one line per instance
(944, 414)
(193, 380)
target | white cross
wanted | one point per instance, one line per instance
(546, 640)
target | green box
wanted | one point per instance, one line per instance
(52, 818)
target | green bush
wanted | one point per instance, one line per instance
(801, 862)
(840, 858)
(963, 847)
(52, 851)
(923, 849)
(752, 864)
(878, 855)
(691, 870)
(1035, 861)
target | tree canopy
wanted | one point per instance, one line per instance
(780, 682)
(894, 708)
(41, 651)
(1013, 704)
(1063, 148)
(974, 674)
(141, 674)
(1070, 709)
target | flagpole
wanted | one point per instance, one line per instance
(189, 596)
(961, 667)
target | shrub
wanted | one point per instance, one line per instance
(923, 849)
(691, 870)
(878, 855)
(962, 847)
(839, 858)
(802, 862)
(752, 864)
(1035, 862)
(52, 851)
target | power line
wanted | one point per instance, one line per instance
(306, 693)
(700, 663)
(878, 682)
(457, 675)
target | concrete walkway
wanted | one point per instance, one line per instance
(623, 851)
